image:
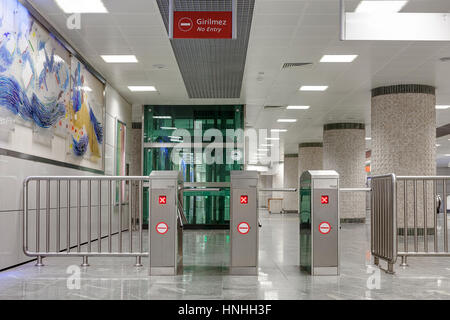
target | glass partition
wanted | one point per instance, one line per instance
(189, 131)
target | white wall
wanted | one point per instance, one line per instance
(117, 108)
(14, 170)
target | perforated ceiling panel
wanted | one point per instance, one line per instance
(212, 68)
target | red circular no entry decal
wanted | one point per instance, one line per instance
(162, 228)
(324, 227)
(243, 228)
(185, 24)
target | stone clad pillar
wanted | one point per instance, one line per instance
(344, 150)
(290, 202)
(403, 129)
(310, 157)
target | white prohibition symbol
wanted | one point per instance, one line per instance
(243, 228)
(185, 24)
(162, 228)
(324, 227)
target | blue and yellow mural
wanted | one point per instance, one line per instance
(42, 85)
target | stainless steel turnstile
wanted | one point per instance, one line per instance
(244, 223)
(165, 222)
(319, 222)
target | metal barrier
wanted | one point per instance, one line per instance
(406, 220)
(384, 220)
(94, 196)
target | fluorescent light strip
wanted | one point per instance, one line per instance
(162, 117)
(313, 88)
(82, 6)
(278, 130)
(119, 58)
(345, 58)
(141, 88)
(168, 128)
(380, 6)
(442, 107)
(287, 120)
(368, 138)
(297, 107)
(267, 145)
(273, 139)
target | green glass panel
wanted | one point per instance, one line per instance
(160, 123)
(305, 228)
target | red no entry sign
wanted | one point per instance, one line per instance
(243, 228)
(244, 199)
(162, 228)
(324, 227)
(162, 199)
(203, 24)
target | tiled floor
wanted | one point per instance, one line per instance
(206, 276)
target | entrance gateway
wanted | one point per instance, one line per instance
(166, 220)
(319, 222)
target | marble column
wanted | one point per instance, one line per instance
(403, 129)
(290, 202)
(310, 157)
(344, 150)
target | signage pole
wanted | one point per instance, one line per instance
(171, 9)
(234, 14)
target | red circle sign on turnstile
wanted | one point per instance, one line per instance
(243, 228)
(162, 228)
(185, 24)
(324, 227)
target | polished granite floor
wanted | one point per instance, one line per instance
(205, 276)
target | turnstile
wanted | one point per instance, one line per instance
(165, 222)
(244, 223)
(319, 222)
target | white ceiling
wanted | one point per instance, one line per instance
(282, 31)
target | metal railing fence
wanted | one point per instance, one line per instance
(406, 219)
(96, 205)
(383, 220)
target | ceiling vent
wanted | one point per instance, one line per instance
(290, 65)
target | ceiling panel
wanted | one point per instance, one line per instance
(212, 68)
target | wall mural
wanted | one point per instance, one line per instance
(43, 87)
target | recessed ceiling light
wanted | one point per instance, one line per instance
(287, 120)
(338, 58)
(141, 88)
(381, 6)
(442, 107)
(278, 130)
(297, 107)
(313, 88)
(119, 58)
(162, 117)
(82, 6)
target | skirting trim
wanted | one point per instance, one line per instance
(340, 126)
(311, 145)
(403, 88)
